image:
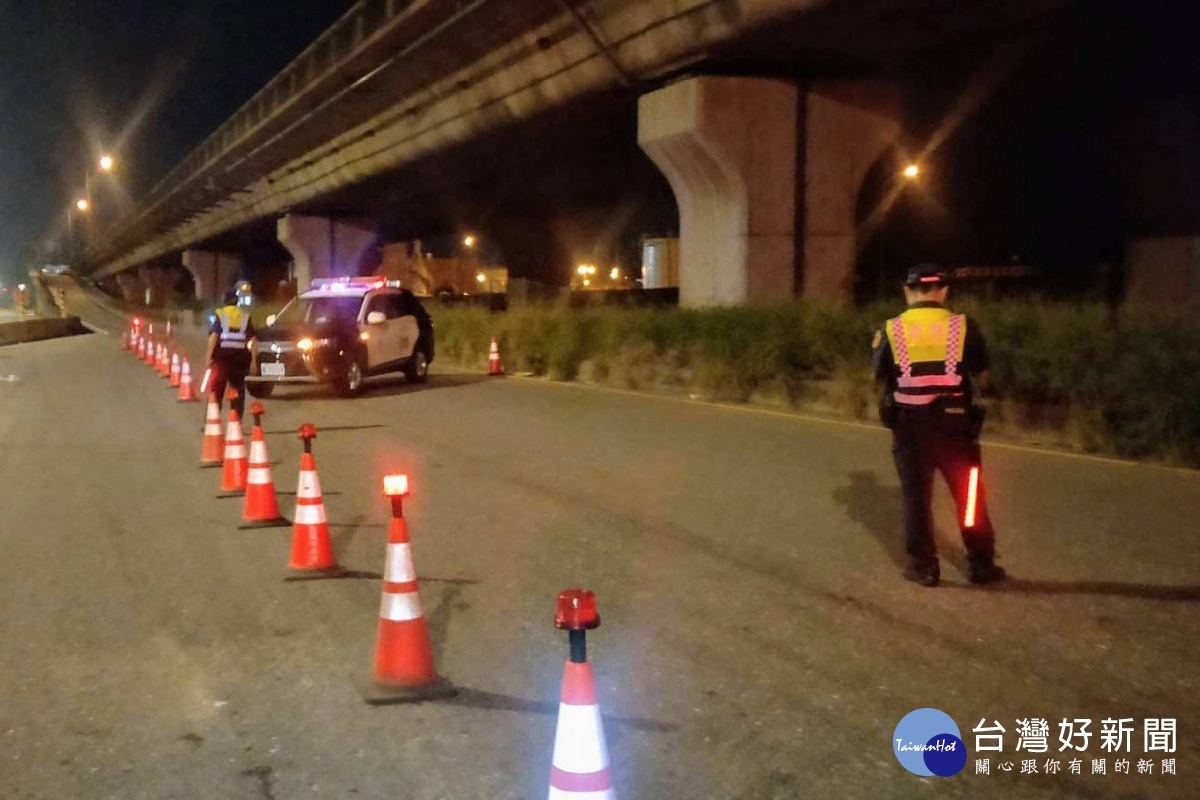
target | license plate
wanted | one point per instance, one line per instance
(271, 370)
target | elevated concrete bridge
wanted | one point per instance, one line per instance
(763, 115)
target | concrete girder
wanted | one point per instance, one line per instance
(322, 247)
(212, 272)
(727, 146)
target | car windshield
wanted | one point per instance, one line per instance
(319, 310)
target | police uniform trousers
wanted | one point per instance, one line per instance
(926, 441)
(229, 369)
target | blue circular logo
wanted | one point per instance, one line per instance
(927, 743)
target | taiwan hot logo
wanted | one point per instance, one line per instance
(927, 743)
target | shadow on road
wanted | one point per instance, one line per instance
(878, 509)
(491, 701)
(1143, 591)
(389, 386)
(328, 429)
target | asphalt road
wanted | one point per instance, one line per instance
(757, 640)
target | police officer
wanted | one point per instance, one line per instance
(926, 358)
(232, 350)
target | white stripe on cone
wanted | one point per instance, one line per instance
(259, 476)
(258, 452)
(579, 741)
(310, 485)
(310, 515)
(562, 794)
(400, 607)
(399, 565)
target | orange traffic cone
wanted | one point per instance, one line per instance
(233, 472)
(261, 509)
(175, 371)
(151, 353)
(580, 765)
(404, 670)
(494, 365)
(187, 392)
(164, 365)
(212, 451)
(312, 549)
(141, 348)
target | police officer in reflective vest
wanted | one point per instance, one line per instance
(232, 351)
(926, 358)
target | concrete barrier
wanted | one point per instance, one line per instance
(36, 328)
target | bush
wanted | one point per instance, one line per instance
(1129, 386)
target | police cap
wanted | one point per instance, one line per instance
(929, 275)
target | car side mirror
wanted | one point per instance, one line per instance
(270, 320)
(376, 318)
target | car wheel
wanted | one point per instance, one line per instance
(260, 390)
(352, 380)
(417, 370)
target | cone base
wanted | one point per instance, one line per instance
(188, 400)
(278, 522)
(210, 464)
(378, 694)
(321, 574)
(231, 493)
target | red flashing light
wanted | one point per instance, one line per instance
(576, 610)
(137, 322)
(972, 495)
(308, 431)
(395, 485)
(256, 409)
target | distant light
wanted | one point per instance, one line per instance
(82, 204)
(480, 278)
(395, 485)
(616, 273)
(469, 240)
(364, 336)
(21, 286)
(587, 282)
(912, 171)
(107, 163)
(581, 269)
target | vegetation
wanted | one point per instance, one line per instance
(1070, 375)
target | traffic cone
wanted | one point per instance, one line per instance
(187, 392)
(175, 371)
(261, 509)
(212, 451)
(151, 352)
(233, 471)
(312, 549)
(494, 365)
(404, 669)
(165, 362)
(580, 765)
(141, 348)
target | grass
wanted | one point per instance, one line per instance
(1072, 374)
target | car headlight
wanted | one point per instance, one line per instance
(306, 344)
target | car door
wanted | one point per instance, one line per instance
(406, 327)
(378, 336)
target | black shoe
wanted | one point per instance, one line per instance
(986, 573)
(928, 576)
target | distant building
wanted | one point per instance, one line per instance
(425, 275)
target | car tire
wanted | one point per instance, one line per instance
(351, 382)
(260, 390)
(417, 370)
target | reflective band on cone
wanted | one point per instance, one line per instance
(404, 668)
(312, 548)
(176, 374)
(212, 450)
(580, 766)
(187, 392)
(233, 473)
(494, 365)
(261, 509)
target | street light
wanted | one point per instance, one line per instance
(912, 171)
(469, 240)
(82, 204)
(107, 163)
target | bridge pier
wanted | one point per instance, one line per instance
(743, 156)
(323, 247)
(213, 272)
(727, 146)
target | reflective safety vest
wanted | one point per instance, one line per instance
(927, 347)
(234, 323)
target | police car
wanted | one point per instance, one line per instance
(341, 331)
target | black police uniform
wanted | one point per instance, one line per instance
(935, 426)
(231, 357)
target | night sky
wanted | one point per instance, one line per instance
(144, 79)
